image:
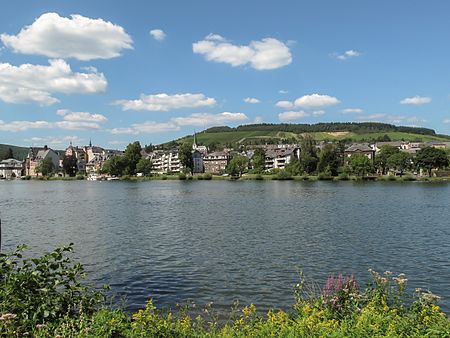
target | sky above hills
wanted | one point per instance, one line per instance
(119, 71)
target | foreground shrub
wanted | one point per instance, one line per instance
(39, 290)
(182, 176)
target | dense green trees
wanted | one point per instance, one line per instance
(258, 160)
(381, 160)
(9, 154)
(238, 165)
(144, 166)
(308, 154)
(329, 160)
(399, 161)
(132, 157)
(69, 164)
(185, 156)
(45, 167)
(361, 165)
(429, 158)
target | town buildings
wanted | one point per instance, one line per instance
(11, 168)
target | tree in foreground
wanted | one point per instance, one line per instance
(430, 158)
(259, 160)
(361, 165)
(185, 156)
(69, 164)
(381, 160)
(45, 167)
(329, 160)
(115, 166)
(132, 157)
(144, 166)
(238, 165)
(399, 161)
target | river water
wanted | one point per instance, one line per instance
(224, 241)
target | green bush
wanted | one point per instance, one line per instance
(259, 177)
(343, 177)
(164, 177)
(409, 178)
(45, 289)
(282, 175)
(324, 177)
(207, 176)
(181, 176)
(80, 177)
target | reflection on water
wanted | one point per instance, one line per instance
(222, 241)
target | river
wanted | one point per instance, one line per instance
(224, 241)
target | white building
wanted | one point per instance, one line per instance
(11, 168)
(165, 161)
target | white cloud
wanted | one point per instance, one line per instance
(204, 119)
(292, 115)
(285, 104)
(296, 115)
(81, 116)
(282, 91)
(148, 127)
(371, 117)
(258, 119)
(416, 100)
(347, 55)
(55, 140)
(15, 126)
(77, 125)
(316, 101)
(158, 34)
(75, 37)
(251, 100)
(446, 121)
(352, 111)
(165, 102)
(29, 83)
(115, 142)
(268, 53)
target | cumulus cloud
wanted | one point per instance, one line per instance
(30, 83)
(268, 53)
(292, 115)
(158, 34)
(348, 54)
(204, 119)
(81, 116)
(285, 104)
(165, 102)
(352, 111)
(316, 101)
(296, 115)
(251, 100)
(15, 126)
(446, 121)
(55, 140)
(76, 37)
(148, 127)
(282, 91)
(416, 100)
(313, 101)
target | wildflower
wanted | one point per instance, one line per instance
(40, 326)
(430, 297)
(7, 316)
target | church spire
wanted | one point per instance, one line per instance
(194, 145)
(90, 143)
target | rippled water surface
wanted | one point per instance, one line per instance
(223, 241)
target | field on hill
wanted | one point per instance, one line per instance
(231, 137)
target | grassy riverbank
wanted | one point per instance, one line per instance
(43, 297)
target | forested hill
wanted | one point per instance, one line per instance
(19, 153)
(355, 127)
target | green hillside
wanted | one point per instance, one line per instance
(350, 132)
(19, 153)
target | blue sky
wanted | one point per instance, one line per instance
(152, 71)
